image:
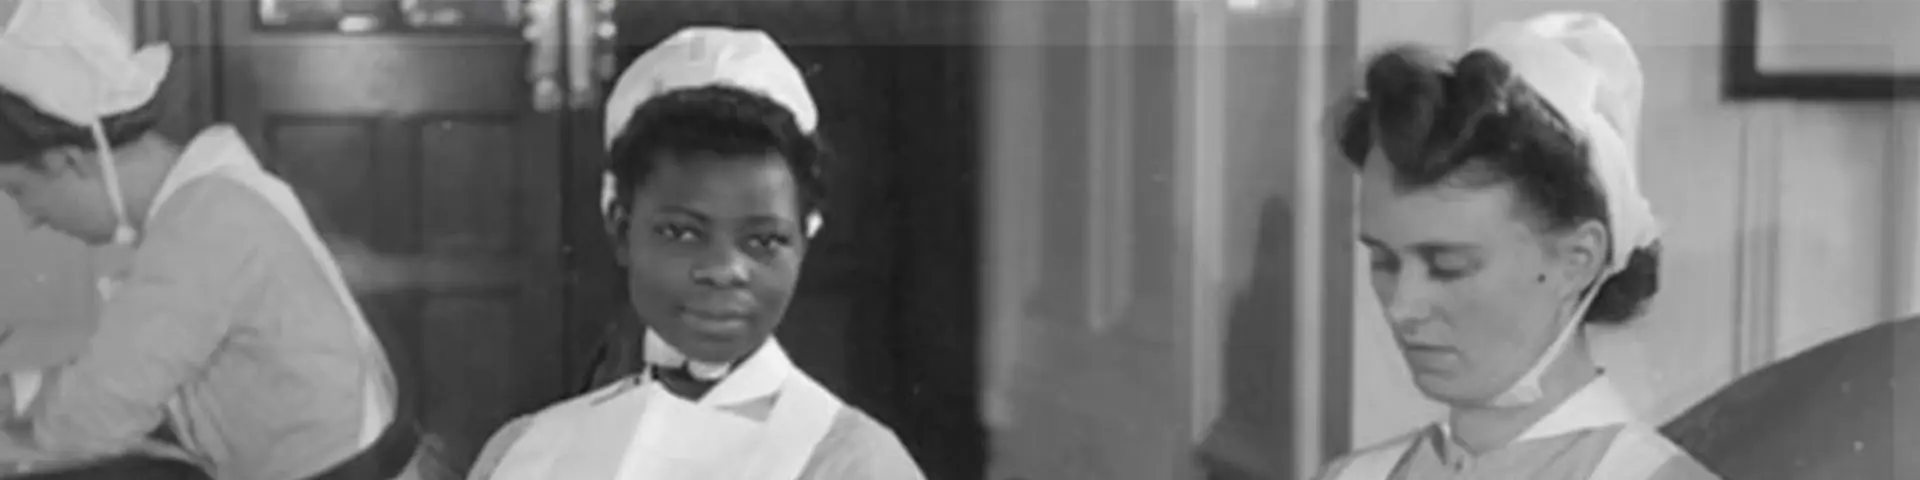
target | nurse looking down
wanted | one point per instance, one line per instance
(231, 342)
(1500, 206)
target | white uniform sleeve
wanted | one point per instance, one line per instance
(160, 329)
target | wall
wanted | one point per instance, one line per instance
(1776, 214)
(1086, 374)
(1177, 354)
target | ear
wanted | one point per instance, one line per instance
(1581, 254)
(813, 224)
(616, 222)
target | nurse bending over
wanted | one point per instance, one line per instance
(232, 332)
(1500, 207)
(714, 191)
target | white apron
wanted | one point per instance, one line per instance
(1634, 454)
(220, 151)
(637, 430)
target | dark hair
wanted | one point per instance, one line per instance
(1474, 123)
(25, 130)
(720, 120)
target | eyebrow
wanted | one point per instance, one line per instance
(1428, 248)
(676, 209)
(704, 218)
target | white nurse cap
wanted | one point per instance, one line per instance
(707, 56)
(69, 59)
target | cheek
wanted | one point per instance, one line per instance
(774, 279)
(654, 272)
(1498, 321)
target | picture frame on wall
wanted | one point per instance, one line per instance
(1801, 50)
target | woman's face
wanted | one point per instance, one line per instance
(1473, 292)
(61, 191)
(713, 248)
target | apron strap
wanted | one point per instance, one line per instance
(604, 421)
(801, 418)
(1635, 454)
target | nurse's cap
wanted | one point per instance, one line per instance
(707, 56)
(1585, 67)
(69, 59)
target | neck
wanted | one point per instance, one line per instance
(1481, 429)
(142, 166)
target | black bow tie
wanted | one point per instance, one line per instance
(681, 381)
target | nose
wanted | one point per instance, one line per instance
(1410, 302)
(725, 268)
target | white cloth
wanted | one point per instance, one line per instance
(1585, 67)
(69, 59)
(236, 162)
(706, 56)
(637, 429)
(1636, 453)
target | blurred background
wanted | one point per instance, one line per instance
(1071, 239)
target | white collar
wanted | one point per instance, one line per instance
(760, 376)
(209, 150)
(1598, 404)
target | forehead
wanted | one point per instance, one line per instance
(747, 184)
(1444, 212)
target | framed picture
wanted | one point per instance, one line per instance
(1815, 50)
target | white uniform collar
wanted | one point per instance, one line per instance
(760, 376)
(1597, 405)
(211, 149)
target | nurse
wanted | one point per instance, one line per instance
(1500, 207)
(713, 193)
(231, 332)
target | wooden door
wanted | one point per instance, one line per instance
(414, 132)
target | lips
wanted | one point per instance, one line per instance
(725, 317)
(1426, 356)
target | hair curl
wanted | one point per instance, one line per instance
(1474, 123)
(25, 130)
(721, 120)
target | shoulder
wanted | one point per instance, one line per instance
(215, 215)
(1683, 467)
(213, 199)
(859, 447)
(1388, 450)
(497, 446)
(1639, 444)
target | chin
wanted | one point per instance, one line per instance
(1442, 388)
(715, 349)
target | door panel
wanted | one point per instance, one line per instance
(423, 145)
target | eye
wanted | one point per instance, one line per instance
(769, 242)
(1382, 261)
(1451, 266)
(676, 233)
